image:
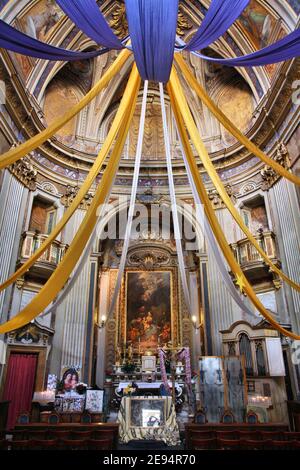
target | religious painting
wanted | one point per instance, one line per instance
(148, 304)
(39, 21)
(70, 379)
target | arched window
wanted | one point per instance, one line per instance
(245, 349)
(260, 359)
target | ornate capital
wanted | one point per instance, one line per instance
(25, 172)
(70, 195)
(268, 174)
(215, 198)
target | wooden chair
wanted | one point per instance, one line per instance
(59, 434)
(203, 444)
(252, 418)
(281, 445)
(101, 434)
(228, 444)
(45, 444)
(19, 445)
(229, 435)
(19, 435)
(100, 444)
(249, 444)
(53, 418)
(200, 417)
(227, 417)
(201, 434)
(83, 435)
(86, 418)
(251, 435)
(291, 436)
(24, 418)
(35, 434)
(272, 435)
(72, 444)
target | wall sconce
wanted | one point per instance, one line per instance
(194, 322)
(102, 322)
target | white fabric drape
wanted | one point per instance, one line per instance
(208, 233)
(135, 182)
(173, 202)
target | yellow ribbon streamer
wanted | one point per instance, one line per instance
(57, 280)
(241, 279)
(122, 110)
(15, 154)
(229, 125)
(208, 165)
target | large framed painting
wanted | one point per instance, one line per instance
(148, 310)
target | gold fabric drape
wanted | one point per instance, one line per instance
(122, 111)
(57, 280)
(15, 154)
(229, 125)
(209, 167)
(242, 281)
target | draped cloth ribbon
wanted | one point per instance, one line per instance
(152, 27)
(218, 19)
(177, 99)
(59, 277)
(208, 234)
(16, 41)
(174, 203)
(19, 152)
(184, 355)
(135, 182)
(89, 19)
(229, 125)
(122, 110)
(209, 167)
(162, 364)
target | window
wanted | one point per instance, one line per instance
(50, 220)
(245, 349)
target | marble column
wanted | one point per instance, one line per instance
(72, 316)
(12, 212)
(101, 333)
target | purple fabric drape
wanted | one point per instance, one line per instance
(285, 49)
(152, 28)
(16, 41)
(220, 16)
(89, 19)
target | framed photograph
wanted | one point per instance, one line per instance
(148, 363)
(148, 309)
(147, 413)
(94, 401)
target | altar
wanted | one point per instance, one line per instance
(148, 418)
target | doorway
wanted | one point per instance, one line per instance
(19, 384)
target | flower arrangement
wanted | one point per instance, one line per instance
(128, 367)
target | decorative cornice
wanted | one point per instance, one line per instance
(70, 195)
(25, 172)
(268, 174)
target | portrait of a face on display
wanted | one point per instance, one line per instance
(70, 379)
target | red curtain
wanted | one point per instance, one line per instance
(19, 385)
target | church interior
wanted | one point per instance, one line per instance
(149, 225)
